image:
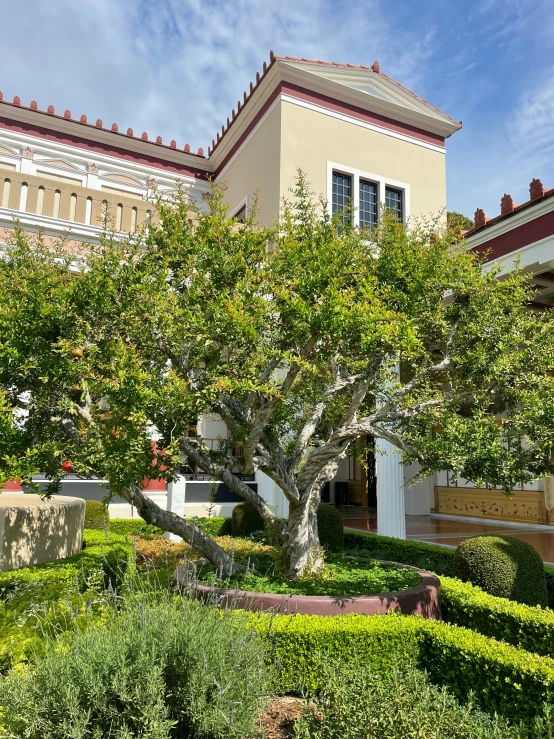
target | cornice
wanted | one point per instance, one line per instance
(318, 83)
(84, 132)
(81, 157)
(249, 112)
(529, 214)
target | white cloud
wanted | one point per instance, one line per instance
(177, 67)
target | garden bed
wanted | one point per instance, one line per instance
(419, 594)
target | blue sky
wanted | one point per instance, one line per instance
(175, 68)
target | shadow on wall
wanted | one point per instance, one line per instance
(33, 531)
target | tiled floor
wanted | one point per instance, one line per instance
(451, 533)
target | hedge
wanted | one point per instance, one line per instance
(49, 597)
(504, 679)
(419, 554)
(527, 627)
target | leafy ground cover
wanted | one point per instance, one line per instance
(339, 577)
(265, 571)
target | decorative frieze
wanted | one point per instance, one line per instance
(523, 505)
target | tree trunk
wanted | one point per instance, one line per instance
(302, 547)
(169, 521)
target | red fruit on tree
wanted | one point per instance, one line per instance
(67, 465)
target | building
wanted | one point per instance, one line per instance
(521, 234)
(354, 131)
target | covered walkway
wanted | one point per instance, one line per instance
(448, 532)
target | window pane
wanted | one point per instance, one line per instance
(368, 204)
(342, 192)
(393, 202)
(240, 215)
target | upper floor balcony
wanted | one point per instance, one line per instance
(57, 207)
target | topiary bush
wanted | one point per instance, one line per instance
(503, 566)
(162, 667)
(246, 519)
(330, 527)
(96, 515)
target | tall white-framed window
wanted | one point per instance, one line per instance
(365, 193)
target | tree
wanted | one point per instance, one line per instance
(457, 222)
(292, 335)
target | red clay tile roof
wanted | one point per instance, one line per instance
(272, 58)
(98, 124)
(537, 194)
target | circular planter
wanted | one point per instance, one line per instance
(423, 599)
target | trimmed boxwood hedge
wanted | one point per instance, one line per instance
(503, 566)
(527, 627)
(96, 515)
(415, 553)
(419, 554)
(505, 679)
(47, 595)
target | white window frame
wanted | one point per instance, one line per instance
(382, 182)
(237, 209)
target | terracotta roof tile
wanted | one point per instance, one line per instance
(114, 129)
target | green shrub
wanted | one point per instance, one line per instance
(51, 598)
(503, 566)
(526, 627)
(215, 526)
(96, 515)
(505, 679)
(246, 519)
(165, 667)
(330, 527)
(418, 554)
(356, 702)
(132, 527)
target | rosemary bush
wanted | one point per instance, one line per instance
(163, 667)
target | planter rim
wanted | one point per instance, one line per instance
(409, 600)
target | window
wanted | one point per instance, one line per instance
(341, 196)
(361, 195)
(368, 205)
(393, 202)
(240, 215)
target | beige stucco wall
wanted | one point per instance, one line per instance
(33, 530)
(256, 167)
(310, 139)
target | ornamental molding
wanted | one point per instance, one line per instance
(80, 158)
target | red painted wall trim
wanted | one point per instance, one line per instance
(518, 237)
(259, 115)
(324, 100)
(101, 148)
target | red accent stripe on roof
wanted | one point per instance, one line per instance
(517, 238)
(102, 148)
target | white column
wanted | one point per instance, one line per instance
(176, 502)
(391, 518)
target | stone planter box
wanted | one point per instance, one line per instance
(423, 599)
(33, 531)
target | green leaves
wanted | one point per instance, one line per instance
(203, 315)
